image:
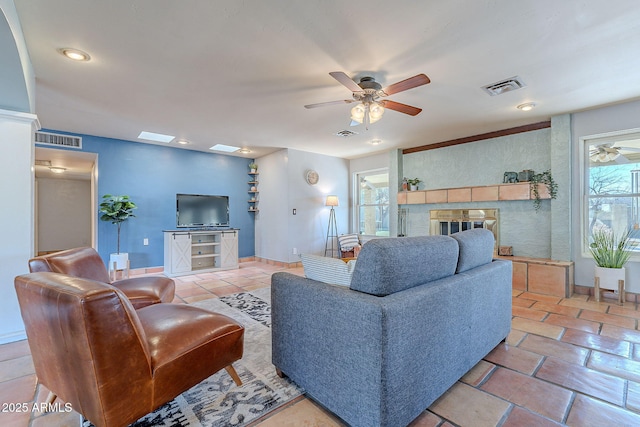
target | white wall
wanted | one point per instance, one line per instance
(283, 188)
(593, 122)
(63, 213)
(16, 215)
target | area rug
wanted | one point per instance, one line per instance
(217, 401)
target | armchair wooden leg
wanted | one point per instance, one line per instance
(51, 398)
(233, 374)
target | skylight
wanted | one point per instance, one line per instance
(225, 148)
(157, 137)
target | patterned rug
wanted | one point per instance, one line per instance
(217, 401)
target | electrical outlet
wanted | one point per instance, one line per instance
(295, 251)
(145, 242)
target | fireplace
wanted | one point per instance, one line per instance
(449, 221)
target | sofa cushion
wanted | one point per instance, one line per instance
(390, 265)
(476, 248)
(327, 270)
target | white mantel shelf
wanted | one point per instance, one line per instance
(517, 191)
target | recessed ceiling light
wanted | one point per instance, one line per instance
(74, 54)
(183, 142)
(57, 169)
(225, 148)
(527, 106)
(376, 141)
(245, 151)
(157, 137)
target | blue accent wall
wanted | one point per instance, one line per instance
(152, 175)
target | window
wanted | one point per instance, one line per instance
(372, 202)
(612, 184)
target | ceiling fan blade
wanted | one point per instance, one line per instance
(345, 81)
(621, 160)
(410, 83)
(635, 149)
(324, 104)
(401, 108)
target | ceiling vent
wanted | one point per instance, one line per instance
(345, 133)
(47, 138)
(498, 88)
(46, 163)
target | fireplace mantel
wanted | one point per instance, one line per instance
(487, 193)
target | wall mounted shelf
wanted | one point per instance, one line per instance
(487, 193)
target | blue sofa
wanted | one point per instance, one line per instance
(419, 313)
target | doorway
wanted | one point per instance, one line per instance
(65, 200)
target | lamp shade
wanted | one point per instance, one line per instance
(331, 201)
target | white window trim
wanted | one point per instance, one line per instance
(355, 227)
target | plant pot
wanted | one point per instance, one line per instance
(609, 277)
(121, 260)
(253, 171)
(413, 187)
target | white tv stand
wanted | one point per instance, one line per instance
(199, 251)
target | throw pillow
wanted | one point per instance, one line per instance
(327, 270)
(348, 241)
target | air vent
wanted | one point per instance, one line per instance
(498, 88)
(46, 163)
(58, 140)
(345, 133)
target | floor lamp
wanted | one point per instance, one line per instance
(332, 228)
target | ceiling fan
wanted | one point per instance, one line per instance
(368, 94)
(605, 153)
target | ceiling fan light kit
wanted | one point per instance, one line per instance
(368, 94)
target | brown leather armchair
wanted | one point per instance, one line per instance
(113, 363)
(86, 263)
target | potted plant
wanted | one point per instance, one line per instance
(546, 179)
(611, 252)
(116, 210)
(253, 166)
(413, 183)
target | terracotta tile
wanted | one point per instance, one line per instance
(528, 313)
(624, 311)
(14, 368)
(61, 418)
(584, 380)
(514, 358)
(14, 419)
(615, 365)
(520, 417)
(538, 328)
(578, 303)
(213, 283)
(587, 411)
(620, 333)
(521, 302)
(573, 323)
(550, 347)
(536, 395)
(541, 298)
(478, 373)
(611, 319)
(18, 390)
(467, 406)
(559, 309)
(14, 350)
(597, 342)
(226, 290)
(191, 292)
(196, 298)
(633, 396)
(515, 336)
(515, 292)
(426, 419)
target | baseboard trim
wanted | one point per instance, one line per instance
(13, 337)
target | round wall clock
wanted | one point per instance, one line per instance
(311, 177)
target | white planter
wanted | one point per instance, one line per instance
(609, 277)
(413, 187)
(121, 260)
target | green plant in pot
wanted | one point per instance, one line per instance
(253, 166)
(116, 210)
(611, 252)
(413, 183)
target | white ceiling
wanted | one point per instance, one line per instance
(239, 72)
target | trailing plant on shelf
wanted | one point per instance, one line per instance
(116, 210)
(610, 250)
(542, 178)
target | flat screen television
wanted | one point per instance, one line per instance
(198, 210)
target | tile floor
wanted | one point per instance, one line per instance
(566, 362)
